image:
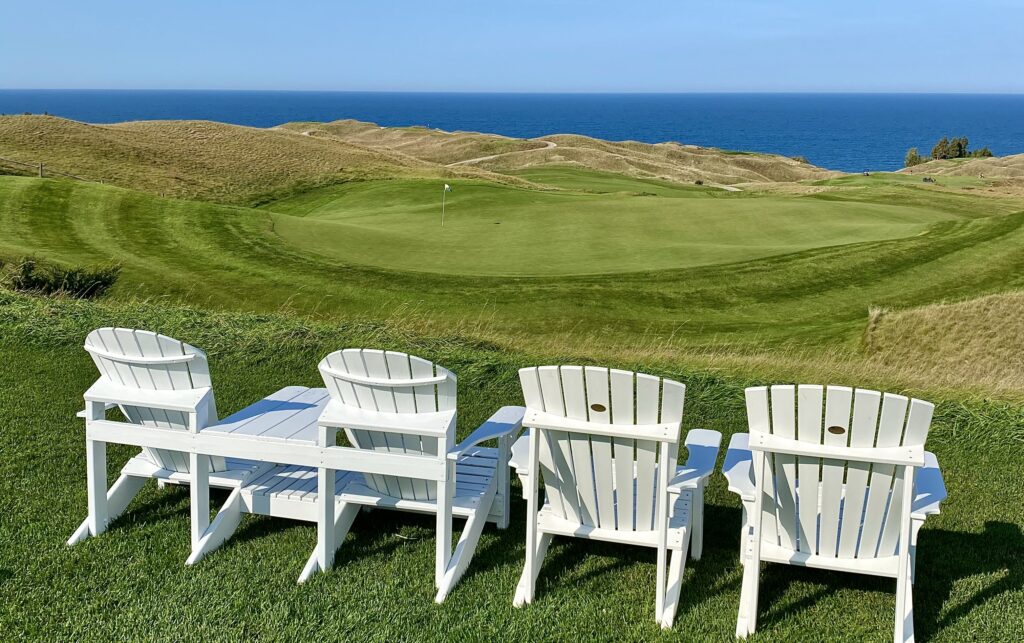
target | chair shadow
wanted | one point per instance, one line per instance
(944, 558)
(701, 580)
(154, 509)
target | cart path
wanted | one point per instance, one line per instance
(547, 146)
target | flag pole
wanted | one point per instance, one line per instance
(444, 192)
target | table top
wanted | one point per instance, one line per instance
(288, 415)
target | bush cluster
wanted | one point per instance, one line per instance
(29, 274)
(946, 148)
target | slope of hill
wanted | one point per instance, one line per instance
(996, 167)
(667, 161)
(433, 145)
(195, 159)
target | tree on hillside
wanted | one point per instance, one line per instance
(958, 147)
(941, 149)
(912, 158)
(981, 153)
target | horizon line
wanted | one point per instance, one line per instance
(524, 92)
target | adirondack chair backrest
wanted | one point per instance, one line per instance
(144, 360)
(602, 480)
(861, 502)
(391, 382)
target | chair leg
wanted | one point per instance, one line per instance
(117, 500)
(528, 582)
(443, 546)
(221, 529)
(676, 568)
(746, 622)
(464, 551)
(697, 523)
(325, 543)
(659, 577)
(96, 472)
(345, 515)
(199, 492)
(904, 629)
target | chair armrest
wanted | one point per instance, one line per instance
(185, 401)
(929, 488)
(702, 446)
(508, 420)
(738, 467)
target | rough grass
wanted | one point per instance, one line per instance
(979, 340)
(194, 159)
(131, 583)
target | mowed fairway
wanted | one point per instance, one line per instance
(596, 224)
(576, 268)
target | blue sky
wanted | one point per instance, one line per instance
(522, 45)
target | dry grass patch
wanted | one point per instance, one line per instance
(195, 159)
(976, 344)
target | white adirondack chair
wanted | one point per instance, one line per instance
(400, 412)
(605, 443)
(833, 478)
(156, 382)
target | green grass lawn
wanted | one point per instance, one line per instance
(224, 257)
(132, 583)
(494, 229)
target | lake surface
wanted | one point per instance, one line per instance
(850, 132)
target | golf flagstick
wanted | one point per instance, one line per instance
(447, 189)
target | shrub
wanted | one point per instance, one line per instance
(31, 275)
(912, 158)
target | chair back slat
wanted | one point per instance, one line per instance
(838, 406)
(120, 355)
(623, 398)
(600, 480)
(809, 410)
(828, 506)
(388, 382)
(598, 410)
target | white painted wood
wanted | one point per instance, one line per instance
(869, 501)
(809, 417)
(605, 443)
(598, 410)
(890, 432)
(401, 409)
(161, 385)
(838, 412)
(622, 393)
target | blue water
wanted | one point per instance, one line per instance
(851, 132)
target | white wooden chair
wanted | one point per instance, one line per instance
(156, 382)
(833, 478)
(399, 412)
(605, 443)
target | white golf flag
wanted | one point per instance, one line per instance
(447, 188)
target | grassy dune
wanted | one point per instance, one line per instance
(131, 583)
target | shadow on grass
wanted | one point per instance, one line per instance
(167, 503)
(5, 575)
(944, 559)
